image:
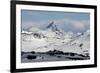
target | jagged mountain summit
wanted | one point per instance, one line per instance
(52, 26)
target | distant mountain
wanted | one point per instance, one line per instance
(52, 26)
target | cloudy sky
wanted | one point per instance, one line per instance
(67, 21)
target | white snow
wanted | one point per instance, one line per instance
(49, 40)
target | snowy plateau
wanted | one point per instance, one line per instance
(54, 44)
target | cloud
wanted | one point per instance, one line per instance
(78, 25)
(29, 24)
(64, 24)
(73, 24)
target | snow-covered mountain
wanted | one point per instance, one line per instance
(52, 38)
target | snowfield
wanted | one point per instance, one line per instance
(53, 38)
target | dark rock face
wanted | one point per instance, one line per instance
(33, 52)
(31, 57)
(37, 35)
(72, 54)
(53, 26)
(54, 52)
(81, 45)
(50, 25)
(22, 53)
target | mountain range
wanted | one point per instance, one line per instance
(52, 37)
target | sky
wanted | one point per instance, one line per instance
(67, 21)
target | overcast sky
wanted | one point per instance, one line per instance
(67, 21)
